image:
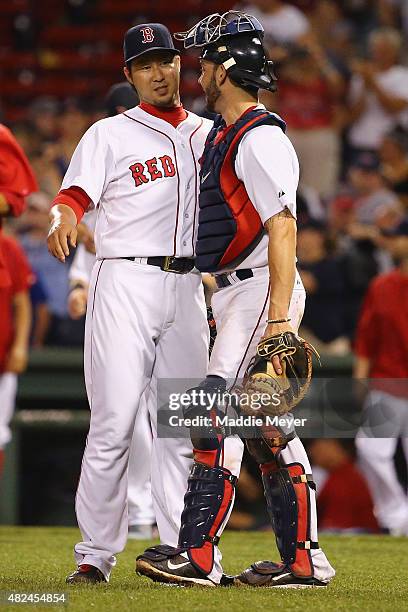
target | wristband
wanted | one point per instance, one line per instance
(270, 321)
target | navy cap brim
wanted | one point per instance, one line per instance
(174, 51)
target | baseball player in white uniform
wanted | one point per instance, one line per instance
(247, 239)
(146, 316)
(120, 97)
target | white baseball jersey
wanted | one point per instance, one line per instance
(143, 174)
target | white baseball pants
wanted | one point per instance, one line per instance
(142, 325)
(8, 390)
(376, 459)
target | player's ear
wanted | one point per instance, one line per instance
(220, 75)
(127, 74)
(177, 61)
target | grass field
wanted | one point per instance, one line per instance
(372, 574)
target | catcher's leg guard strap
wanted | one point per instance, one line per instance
(207, 503)
(288, 499)
(265, 449)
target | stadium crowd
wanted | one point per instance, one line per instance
(343, 92)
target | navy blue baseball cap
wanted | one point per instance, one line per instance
(120, 94)
(367, 161)
(147, 37)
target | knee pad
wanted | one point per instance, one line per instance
(205, 438)
(287, 492)
(207, 503)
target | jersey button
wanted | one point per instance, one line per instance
(186, 215)
(184, 243)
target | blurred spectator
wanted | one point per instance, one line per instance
(283, 23)
(323, 322)
(374, 203)
(40, 312)
(394, 157)
(72, 124)
(309, 90)
(17, 180)
(32, 230)
(357, 221)
(120, 98)
(309, 206)
(43, 113)
(388, 12)
(15, 319)
(378, 92)
(16, 183)
(47, 172)
(381, 350)
(344, 503)
(334, 32)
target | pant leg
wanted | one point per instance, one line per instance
(181, 354)
(125, 315)
(376, 460)
(8, 390)
(140, 503)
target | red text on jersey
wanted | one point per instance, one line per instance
(152, 169)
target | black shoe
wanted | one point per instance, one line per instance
(172, 570)
(86, 574)
(275, 575)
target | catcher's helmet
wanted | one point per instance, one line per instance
(234, 40)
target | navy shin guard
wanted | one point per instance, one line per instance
(207, 503)
(287, 492)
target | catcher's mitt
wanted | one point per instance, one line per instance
(280, 392)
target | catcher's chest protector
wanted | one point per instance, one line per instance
(229, 227)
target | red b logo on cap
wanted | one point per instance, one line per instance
(148, 35)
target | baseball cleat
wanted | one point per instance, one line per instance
(173, 570)
(86, 574)
(275, 575)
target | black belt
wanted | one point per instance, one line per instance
(222, 280)
(178, 265)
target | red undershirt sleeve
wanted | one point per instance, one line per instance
(76, 198)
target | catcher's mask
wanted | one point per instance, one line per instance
(233, 39)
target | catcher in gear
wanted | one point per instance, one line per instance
(247, 240)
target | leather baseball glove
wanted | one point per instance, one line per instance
(280, 392)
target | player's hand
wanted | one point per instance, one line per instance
(77, 301)
(62, 232)
(271, 330)
(16, 361)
